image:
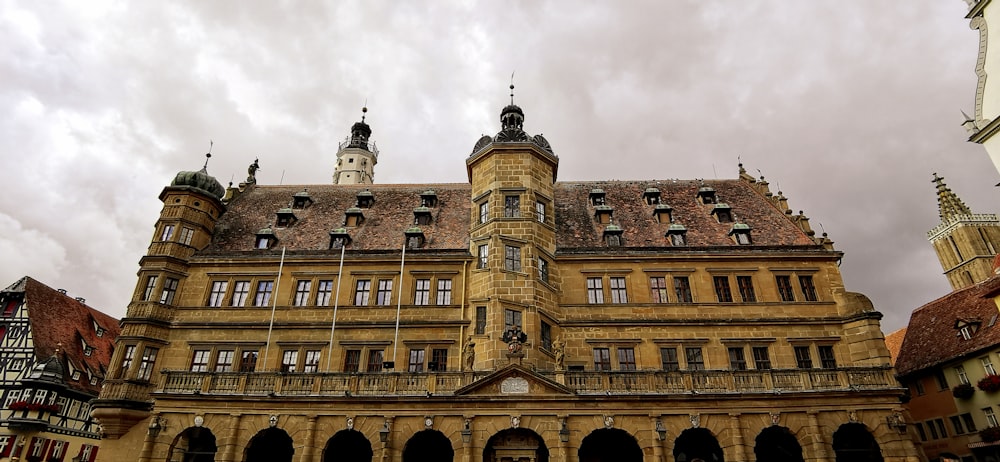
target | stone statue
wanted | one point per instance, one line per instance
(514, 337)
(469, 353)
(252, 170)
(559, 350)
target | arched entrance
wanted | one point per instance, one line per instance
(516, 445)
(269, 445)
(852, 442)
(194, 444)
(609, 445)
(428, 446)
(347, 446)
(777, 444)
(697, 445)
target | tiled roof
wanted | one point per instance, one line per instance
(893, 342)
(932, 337)
(392, 213)
(59, 321)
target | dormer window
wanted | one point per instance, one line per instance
(339, 238)
(663, 213)
(651, 196)
(88, 351)
(428, 198)
(365, 199)
(596, 197)
(265, 239)
(613, 236)
(741, 233)
(354, 217)
(677, 235)
(414, 238)
(301, 200)
(421, 216)
(723, 213)
(285, 217)
(967, 328)
(706, 194)
(76, 375)
(602, 213)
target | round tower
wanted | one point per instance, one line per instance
(357, 155)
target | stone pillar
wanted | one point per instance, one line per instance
(387, 455)
(467, 446)
(817, 446)
(147, 444)
(739, 449)
(229, 453)
(657, 444)
(309, 445)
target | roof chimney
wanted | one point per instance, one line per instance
(62, 291)
(81, 300)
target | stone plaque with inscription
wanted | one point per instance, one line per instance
(514, 385)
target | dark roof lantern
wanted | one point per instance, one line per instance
(677, 234)
(613, 235)
(301, 199)
(741, 232)
(339, 238)
(597, 196)
(354, 216)
(414, 237)
(422, 215)
(676, 228)
(365, 199)
(663, 213)
(428, 198)
(360, 132)
(651, 195)
(265, 238)
(722, 212)
(286, 217)
(706, 194)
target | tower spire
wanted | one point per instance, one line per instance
(949, 205)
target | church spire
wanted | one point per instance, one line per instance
(949, 205)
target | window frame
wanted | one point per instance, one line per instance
(303, 292)
(169, 290)
(443, 294)
(808, 288)
(761, 357)
(595, 291)
(512, 206)
(217, 293)
(723, 293)
(146, 363)
(682, 289)
(737, 358)
(619, 294)
(263, 292)
(786, 292)
(383, 294)
(239, 297)
(602, 359)
(803, 357)
(480, 328)
(745, 285)
(512, 258)
(362, 292)
(186, 236)
(669, 361)
(421, 291)
(694, 358)
(658, 289)
(324, 292)
(482, 256)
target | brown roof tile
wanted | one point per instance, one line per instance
(893, 342)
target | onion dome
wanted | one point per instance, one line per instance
(512, 129)
(200, 181)
(361, 132)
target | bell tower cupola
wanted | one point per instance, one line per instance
(357, 155)
(965, 242)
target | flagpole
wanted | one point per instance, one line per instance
(336, 302)
(274, 305)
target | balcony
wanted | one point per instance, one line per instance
(149, 311)
(582, 383)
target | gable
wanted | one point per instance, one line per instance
(514, 380)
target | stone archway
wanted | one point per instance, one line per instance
(697, 445)
(777, 444)
(428, 446)
(852, 442)
(347, 446)
(269, 445)
(516, 445)
(194, 444)
(609, 445)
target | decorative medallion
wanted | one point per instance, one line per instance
(350, 423)
(514, 385)
(695, 420)
(428, 422)
(609, 422)
(775, 418)
(273, 421)
(852, 416)
(199, 421)
(515, 421)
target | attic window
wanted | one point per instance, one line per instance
(603, 213)
(422, 215)
(613, 236)
(339, 238)
(663, 213)
(93, 380)
(967, 328)
(651, 196)
(365, 199)
(428, 198)
(100, 331)
(723, 213)
(354, 217)
(265, 239)
(285, 217)
(596, 197)
(88, 351)
(741, 233)
(301, 200)
(677, 234)
(706, 194)
(414, 238)
(76, 375)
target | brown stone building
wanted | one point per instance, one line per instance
(513, 318)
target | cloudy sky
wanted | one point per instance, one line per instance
(847, 106)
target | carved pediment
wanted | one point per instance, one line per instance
(514, 381)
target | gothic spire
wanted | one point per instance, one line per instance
(949, 205)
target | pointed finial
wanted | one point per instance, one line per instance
(967, 118)
(949, 204)
(364, 110)
(208, 155)
(512, 87)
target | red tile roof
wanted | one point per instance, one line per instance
(59, 321)
(893, 342)
(932, 337)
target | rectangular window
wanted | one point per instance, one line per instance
(240, 291)
(546, 336)
(595, 291)
(658, 289)
(168, 232)
(169, 290)
(933, 429)
(826, 358)
(737, 359)
(618, 292)
(602, 359)
(289, 359)
(199, 361)
(444, 292)
(323, 291)
(352, 359)
(694, 358)
(941, 429)
(186, 235)
(956, 425)
(439, 360)
(511, 318)
(970, 424)
(960, 372)
(312, 361)
(722, 292)
(785, 288)
(484, 212)
(512, 258)
(540, 211)
(543, 270)
(761, 357)
(384, 294)
(988, 366)
(682, 287)
(745, 284)
(919, 387)
(374, 361)
(127, 358)
(362, 290)
(668, 358)
(416, 363)
(483, 256)
(920, 431)
(421, 291)
(942, 381)
(248, 360)
(991, 418)
(218, 293)
(803, 360)
(147, 293)
(224, 361)
(147, 362)
(512, 206)
(302, 290)
(626, 359)
(808, 289)
(480, 320)
(263, 295)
